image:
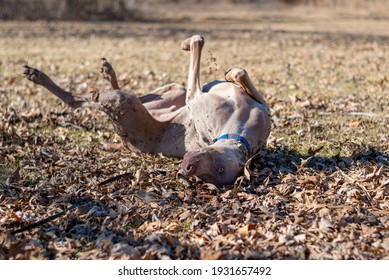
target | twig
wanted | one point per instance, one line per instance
(48, 219)
(346, 176)
(71, 208)
(373, 115)
(113, 179)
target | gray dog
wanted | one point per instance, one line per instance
(216, 129)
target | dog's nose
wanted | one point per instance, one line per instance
(190, 169)
(190, 163)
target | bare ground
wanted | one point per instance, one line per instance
(320, 189)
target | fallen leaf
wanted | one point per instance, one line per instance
(245, 230)
(355, 124)
(301, 238)
(209, 255)
(14, 177)
(313, 180)
(367, 231)
(325, 225)
(385, 244)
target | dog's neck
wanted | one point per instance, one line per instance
(236, 147)
(240, 142)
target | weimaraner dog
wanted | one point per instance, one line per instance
(216, 129)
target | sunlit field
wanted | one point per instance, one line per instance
(319, 190)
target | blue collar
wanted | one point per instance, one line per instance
(236, 137)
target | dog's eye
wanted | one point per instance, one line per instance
(220, 170)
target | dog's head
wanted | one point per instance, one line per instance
(216, 164)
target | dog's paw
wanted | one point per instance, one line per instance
(185, 45)
(106, 69)
(188, 43)
(34, 75)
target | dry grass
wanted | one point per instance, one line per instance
(318, 191)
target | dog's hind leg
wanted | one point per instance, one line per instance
(132, 121)
(109, 74)
(73, 100)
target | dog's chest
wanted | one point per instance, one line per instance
(211, 113)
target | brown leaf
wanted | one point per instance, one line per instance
(303, 163)
(171, 227)
(325, 225)
(323, 212)
(313, 180)
(245, 230)
(246, 169)
(185, 215)
(123, 251)
(95, 96)
(367, 231)
(14, 177)
(312, 151)
(355, 124)
(210, 255)
(385, 244)
(301, 238)
(375, 175)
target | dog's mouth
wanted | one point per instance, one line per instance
(205, 178)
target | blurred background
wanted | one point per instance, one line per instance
(157, 9)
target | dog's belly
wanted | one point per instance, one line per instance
(228, 109)
(222, 106)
